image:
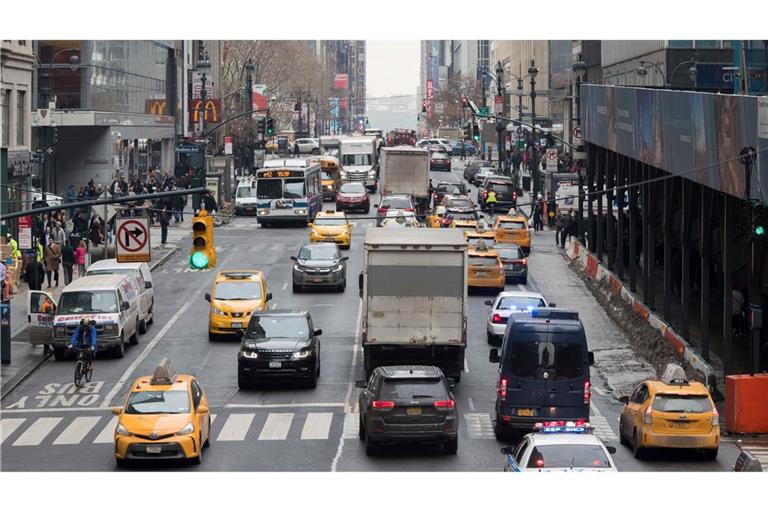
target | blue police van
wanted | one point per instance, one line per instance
(543, 371)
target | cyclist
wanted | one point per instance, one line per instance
(84, 339)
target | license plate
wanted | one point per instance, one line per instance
(413, 411)
(525, 412)
(154, 449)
(679, 425)
(481, 274)
(275, 364)
(237, 325)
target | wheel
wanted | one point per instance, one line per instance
(59, 354)
(121, 463)
(296, 288)
(242, 383)
(119, 350)
(142, 327)
(637, 450)
(450, 447)
(78, 373)
(710, 454)
(342, 287)
(371, 447)
(622, 437)
(524, 280)
(490, 338)
(151, 317)
(208, 438)
(361, 429)
(312, 382)
(199, 458)
(134, 340)
(89, 372)
(499, 431)
(315, 151)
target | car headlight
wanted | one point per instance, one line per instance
(297, 268)
(250, 355)
(111, 329)
(301, 211)
(337, 268)
(121, 430)
(371, 174)
(262, 211)
(188, 429)
(60, 331)
(329, 187)
(302, 354)
(217, 311)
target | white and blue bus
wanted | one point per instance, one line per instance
(288, 191)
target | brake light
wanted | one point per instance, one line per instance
(539, 463)
(444, 404)
(587, 392)
(715, 416)
(502, 389)
(383, 208)
(497, 319)
(409, 209)
(485, 193)
(647, 418)
(514, 195)
(383, 404)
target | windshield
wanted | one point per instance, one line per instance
(463, 215)
(326, 175)
(352, 188)
(246, 191)
(482, 261)
(682, 403)
(396, 202)
(544, 360)
(294, 188)
(319, 252)
(269, 189)
(509, 254)
(480, 163)
(158, 402)
(262, 327)
(356, 159)
(450, 189)
(77, 303)
(237, 290)
(512, 225)
(568, 456)
(413, 388)
(439, 156)
(330, 221)
(458, 202)
(520, 303)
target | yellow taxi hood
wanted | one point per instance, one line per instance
(237, 306)
(159, 423)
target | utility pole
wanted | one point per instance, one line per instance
(500, 124)
(533, 71)
(747, 158)
(249, 106)
(579, 70)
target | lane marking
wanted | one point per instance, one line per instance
(521, 288)
(236, 427)
(274, 305)
(479, 425)
(107, 434)
(285, 285)
(8, 426)
(317, 425)
(471, 404)
(35, 434)
(77, 430)
(466, 365)
(151, 345)
(57, 409)
(277, 426)
(276, 406)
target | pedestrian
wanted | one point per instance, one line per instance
(15, 252)
(165, 219)
(39, 250)
(34, 273)
(538, 210)
(94, 231)
(68, 261)
(71, 195)
(178, 207)
(463, 150)
(52, 262)
(114, 187)
(80, 252)
(58, 234)
(209, 202)
(296, 152)
(561, 222)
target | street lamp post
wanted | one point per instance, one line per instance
(46, 87)
(644, 64)
(579, 70)
(202, 66)
(500, 124)
(533, 71)
(249, 106)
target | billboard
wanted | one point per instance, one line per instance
(341, 81)
(691, 134)
(259, 99)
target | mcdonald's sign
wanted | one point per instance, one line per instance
(212, 110)
(156, 107)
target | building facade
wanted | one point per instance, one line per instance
(516, 58)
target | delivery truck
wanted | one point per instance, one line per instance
(405, 170)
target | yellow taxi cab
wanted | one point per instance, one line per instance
(436, 219)
(165, 416)
(331, 226)
(677, 414)
(271, 145)
(484, 267)
(513, 229)
(235, 294)
(480, 233)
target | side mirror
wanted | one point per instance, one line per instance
(591, 358)
(203, 409)
(507, 450)
(611, 449)
(318, 332)
(376, 205)
(147, 285)
(488, 303)
(208, 297)
(344, 258)
(117, 411)
(240, 333)
(125, 306)
(294, 258)
(269, 296)
(362, 384)
(624, 400)
(493, 357)
(451, 382)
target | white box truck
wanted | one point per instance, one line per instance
(358, 161)
(405, 170)
(414, 291)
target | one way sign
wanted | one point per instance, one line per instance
(132, 240)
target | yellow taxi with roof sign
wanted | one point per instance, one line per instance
(165, 416)
(484, 267)
(234, 295)
(331, 226)
(513, 229)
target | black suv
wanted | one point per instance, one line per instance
(506, 191)
(279, 345)
(445, 188)
(407, 404)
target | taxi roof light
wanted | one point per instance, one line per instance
(164, 373)
(237, 275)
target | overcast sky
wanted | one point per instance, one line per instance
(393, 67)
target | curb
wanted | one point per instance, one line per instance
(165, 258)
(597, 272)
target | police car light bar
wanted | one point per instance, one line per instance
(562, 427)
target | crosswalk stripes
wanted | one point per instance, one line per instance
(8, 426)
(351, 425)
(107, 434)
(276, 427)
(77, 430)
(317, 426)
(479, 425)
(35, 434)
(236, 427)
(600, 425)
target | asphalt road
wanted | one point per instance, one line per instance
(45, 425)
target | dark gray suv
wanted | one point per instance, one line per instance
(407, 404)
(319, 265)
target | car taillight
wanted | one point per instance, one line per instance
(485, 193)
(514, 195)
(383, 209)
(647, 417)
(587, 392)
(502, 388)
(409, 210)
(444, 404)
(382, 404)
(524, 262)
(497, 319)
(715, 416)
(539, 463)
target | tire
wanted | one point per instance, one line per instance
(59, 354)
(212, 336)
(312, 382)
(361, 429)
(296, 288)
(78, 373)
(371, 447)
(451, 446)
(119, 351)
(637, 451)
(342, 287)
(142, 327)
(208, 438)
(89, 373)
(242, 383)
(490, 338)
(134, 340)
(710, 454)
(622, 437)
(499, 432)
(199, 459)
(121, 463)
(151, 315)
(524, 280)
(315, 151)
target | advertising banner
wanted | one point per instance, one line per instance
(212, 109)
(259, 99)
(25, 232)
(341, 81)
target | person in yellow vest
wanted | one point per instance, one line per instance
(39, 250)
(490, 202)
(15, 252)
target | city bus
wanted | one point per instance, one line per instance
(288, 191)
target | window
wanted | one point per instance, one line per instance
(521, 451)
(319, 252)
(330, 221)
(707, 44)
(294, 189)
(197, 393)
(269, 189)
(6, 113)
(352, 188)
(246, 191)
(237, 290)
(356, 159)
(265, 327)
(682, 403)
(482, 261)
(158, 402)
(568, 456)
(680, 44)
(413, 388)
(513, 225)
(544, 360)
(520, 303)
(76, 303)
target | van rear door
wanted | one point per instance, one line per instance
(41, 309)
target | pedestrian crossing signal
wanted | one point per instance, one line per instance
(203, 252)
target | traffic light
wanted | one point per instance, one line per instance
(270, 126)
(203, 252)
(297, 106)
(759, 222)
(467, 131)
(476, 132)
(260, 126)
(54, 135)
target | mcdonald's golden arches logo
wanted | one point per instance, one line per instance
(156, 107)
(212, 110)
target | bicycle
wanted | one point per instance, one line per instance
(83, 365)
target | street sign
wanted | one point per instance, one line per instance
(227, 145)
(484, 111)
(202, 141)
(498, 103)
(551, 159)
(579, 155)
(25, 232)
(132, 237)
(439, 108)
(576, 133)
(42, 117)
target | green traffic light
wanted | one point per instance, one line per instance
(477, 137)
(198, 260)
(759, 230)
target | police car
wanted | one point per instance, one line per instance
(560, 446)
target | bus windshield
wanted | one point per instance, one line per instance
(292, 188)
